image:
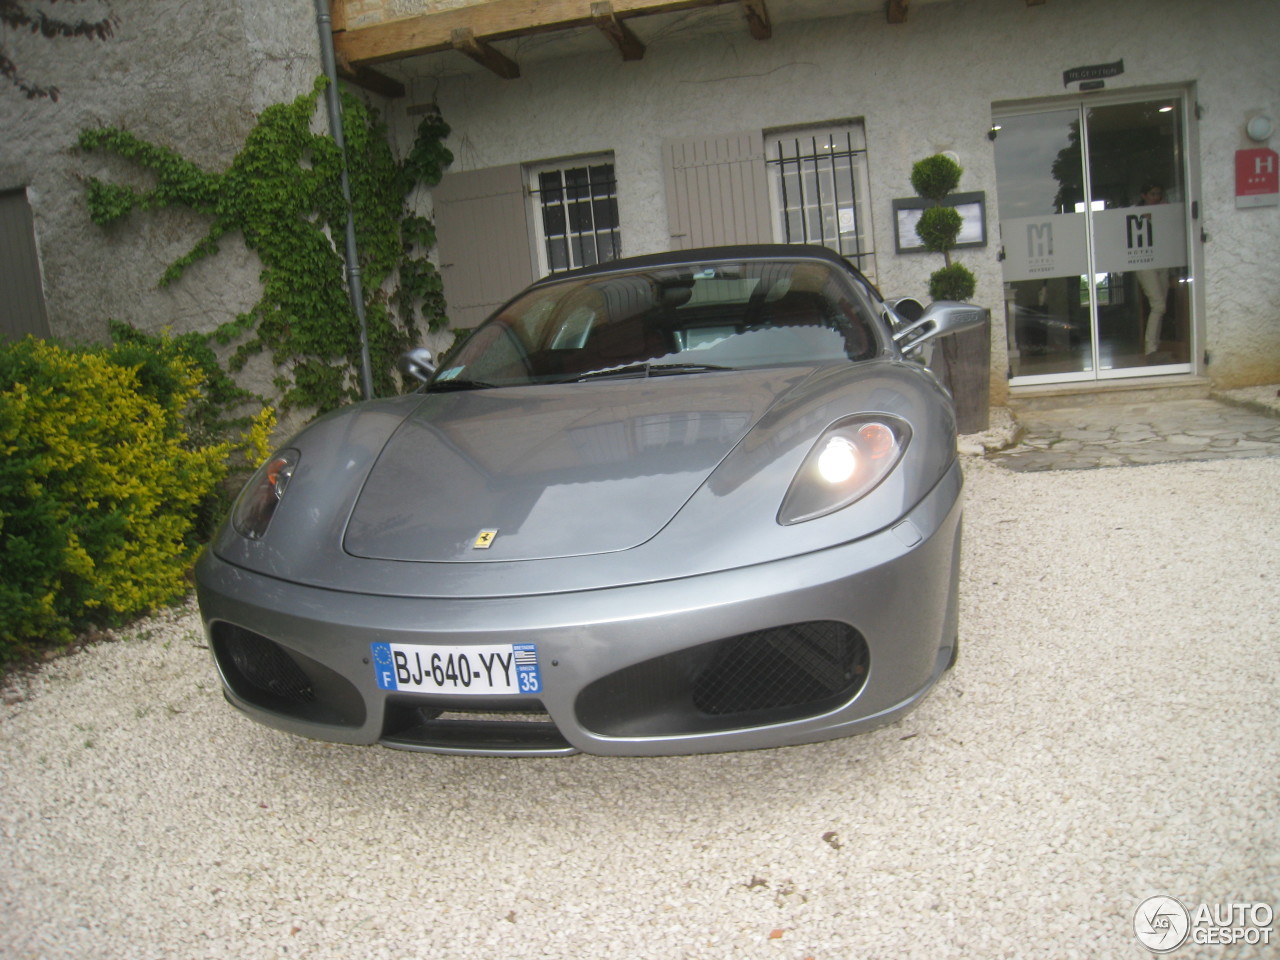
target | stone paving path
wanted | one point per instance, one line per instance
(1129, 434)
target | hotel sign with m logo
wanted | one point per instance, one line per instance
(1140, 238)
(1037, 248)
(1039, 240)
(1138, 229)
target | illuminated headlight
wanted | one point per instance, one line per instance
(838, 461)
(262, 494)
(848, 462)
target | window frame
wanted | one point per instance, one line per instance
(785, 147)
(538, 212)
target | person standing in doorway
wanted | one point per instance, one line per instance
(1154, 283)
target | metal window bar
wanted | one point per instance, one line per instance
(829, 163)
(579, 214)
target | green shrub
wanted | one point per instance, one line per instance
(938, 228)
(955, 282)
(935, 177)
(102, 482)
(213, 417)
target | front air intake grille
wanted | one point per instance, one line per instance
(273, 677)
(784, 667)
(268, 668)
(523, 729)
(768, 676)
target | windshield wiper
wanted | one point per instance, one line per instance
(667, 369)
(444, 386)
(646, 369)
(628, 370)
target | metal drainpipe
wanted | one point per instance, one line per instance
(325, 26)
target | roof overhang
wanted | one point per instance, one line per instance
(379, 52)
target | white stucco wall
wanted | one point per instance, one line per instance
(921, 88)
(190, 76)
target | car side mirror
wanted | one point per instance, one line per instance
(417, 363)
(904, 310)
(941, 319)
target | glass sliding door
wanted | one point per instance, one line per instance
(1139, 230)
(1093, 224)
(1044, 232)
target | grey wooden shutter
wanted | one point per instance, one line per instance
(482, 240)
(717, 190)
(21, 293)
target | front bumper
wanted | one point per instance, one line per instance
(621, 667)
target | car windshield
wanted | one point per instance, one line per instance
(668, 320)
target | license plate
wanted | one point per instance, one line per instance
(486, 669)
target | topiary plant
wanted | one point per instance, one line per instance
(955, 282)
(935, 178)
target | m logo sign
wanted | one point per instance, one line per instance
(1139, 233)
(1036, 248)
(1039, 240)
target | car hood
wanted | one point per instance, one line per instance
(552, 471)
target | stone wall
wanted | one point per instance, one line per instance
(191, 76)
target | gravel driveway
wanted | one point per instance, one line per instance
(1111, 732)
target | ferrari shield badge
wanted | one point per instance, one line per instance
(484, 540)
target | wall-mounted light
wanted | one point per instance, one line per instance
(1259, 128)
(994, 131)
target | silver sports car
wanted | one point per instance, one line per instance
(682, 503)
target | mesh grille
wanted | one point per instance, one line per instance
(768, 676)
(514, 730)
(784, 666)
(269, 668)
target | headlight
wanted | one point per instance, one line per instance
(261, 495)
(848, 462)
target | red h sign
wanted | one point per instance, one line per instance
(1257, 177)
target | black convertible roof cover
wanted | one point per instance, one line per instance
(748, 251)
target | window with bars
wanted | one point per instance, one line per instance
(818, 188)
(575, 213)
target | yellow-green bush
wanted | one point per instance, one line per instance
(102, 485)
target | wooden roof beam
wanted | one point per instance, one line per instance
(757, 14)
(619, 34)
(362, 76)
(370, 79)
(465, 41)
(494, 20)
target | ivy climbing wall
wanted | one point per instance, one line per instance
(282, 197)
